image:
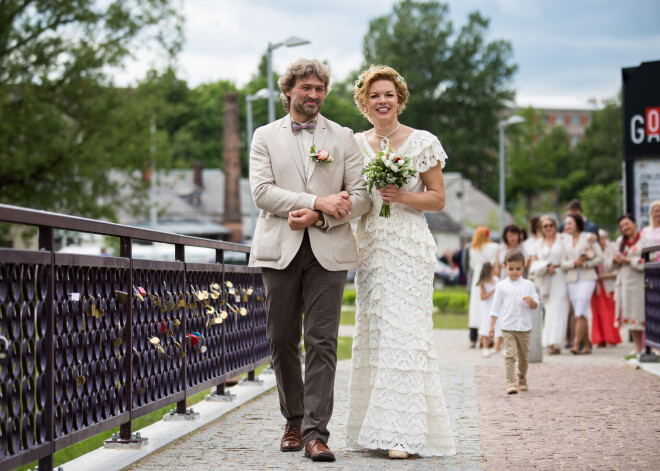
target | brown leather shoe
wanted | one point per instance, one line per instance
(318, 451)
(292, 439)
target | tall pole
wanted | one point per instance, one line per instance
(271, 102)
(153, 213)
(502, 181)
(253, 209)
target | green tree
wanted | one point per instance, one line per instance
(62, 124)
(534, 154)
(603, 203)
(459, 84)
(601, 149)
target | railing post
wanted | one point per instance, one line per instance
(180, 256)
(46, 242)
(220, 258)
(126, 250)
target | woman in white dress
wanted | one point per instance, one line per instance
(629, 286)
(482, 250)
(395, 395)
(551, 281)
(581, 255)
(651, 233)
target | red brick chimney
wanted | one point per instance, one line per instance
(198, 177)
(231, 157)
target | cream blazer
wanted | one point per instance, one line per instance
(587, 271)
(279, 185)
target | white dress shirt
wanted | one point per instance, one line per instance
(508, 304)
(305, 140)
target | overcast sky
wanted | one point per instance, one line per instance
(567, 51)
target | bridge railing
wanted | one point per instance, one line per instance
(652, 298)
(95, 342)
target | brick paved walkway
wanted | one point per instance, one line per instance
(610, 420)
(573, 417)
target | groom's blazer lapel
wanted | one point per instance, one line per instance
(292, 142)
(320, 133)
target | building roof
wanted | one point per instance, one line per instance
(441, 222)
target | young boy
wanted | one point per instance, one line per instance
(515, 299)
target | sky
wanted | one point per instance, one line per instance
(567, 51)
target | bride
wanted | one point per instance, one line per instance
(395, 396)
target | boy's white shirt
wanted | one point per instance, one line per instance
(508, 305)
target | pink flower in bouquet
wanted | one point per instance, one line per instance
(323, 154)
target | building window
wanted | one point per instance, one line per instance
(575, 138)
(559, 119)
(575, 120)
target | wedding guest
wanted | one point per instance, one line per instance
(651, 233)
(512, 237)
(515, 299)
(580, 256)
(550, 279)
(482, 250)
(629, 291)
(574, 208)
(535, 234)
(487, 281)
(604, 326)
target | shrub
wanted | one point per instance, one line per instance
(455, 302)
(349, 297)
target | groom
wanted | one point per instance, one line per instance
(304, 244)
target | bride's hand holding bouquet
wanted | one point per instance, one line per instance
(386, 170)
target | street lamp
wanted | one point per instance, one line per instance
(289, 42)
(260, 95)
(515, 119)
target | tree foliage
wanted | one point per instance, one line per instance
(62, 124)
(459, 83)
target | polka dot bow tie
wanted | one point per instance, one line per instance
(296, 127)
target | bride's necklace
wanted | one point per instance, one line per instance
(384, 140)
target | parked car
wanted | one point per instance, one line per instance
(445, 275)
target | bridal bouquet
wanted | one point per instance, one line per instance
(387, 168)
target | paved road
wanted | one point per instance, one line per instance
(584, 412)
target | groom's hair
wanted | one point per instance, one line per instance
(302, 68)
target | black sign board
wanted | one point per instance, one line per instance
(641, 110)
(641, 144)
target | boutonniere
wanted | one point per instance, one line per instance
(321, 157)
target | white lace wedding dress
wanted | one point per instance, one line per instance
(395, 394)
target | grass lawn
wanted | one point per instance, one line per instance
(440, 321)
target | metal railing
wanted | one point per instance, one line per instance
(652, 299)
(95, 342)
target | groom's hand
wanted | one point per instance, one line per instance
(338, 205)
(302, 218)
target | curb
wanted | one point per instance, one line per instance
(162, 433)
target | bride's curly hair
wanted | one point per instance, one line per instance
(379, 72)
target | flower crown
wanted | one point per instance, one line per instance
(361, 78)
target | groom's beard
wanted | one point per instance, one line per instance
(309, 107)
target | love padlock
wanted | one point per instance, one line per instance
(80, 379)
(4, 350)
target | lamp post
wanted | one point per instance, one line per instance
(260, 95)
(289, 42)
(515, 119)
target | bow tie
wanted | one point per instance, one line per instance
(296, 127)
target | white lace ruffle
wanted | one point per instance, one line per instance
(395, 394)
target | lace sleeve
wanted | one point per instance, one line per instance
(431, 154)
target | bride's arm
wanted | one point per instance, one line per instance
(433, 199)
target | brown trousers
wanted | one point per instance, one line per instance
(516, 344)
(304, 287)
